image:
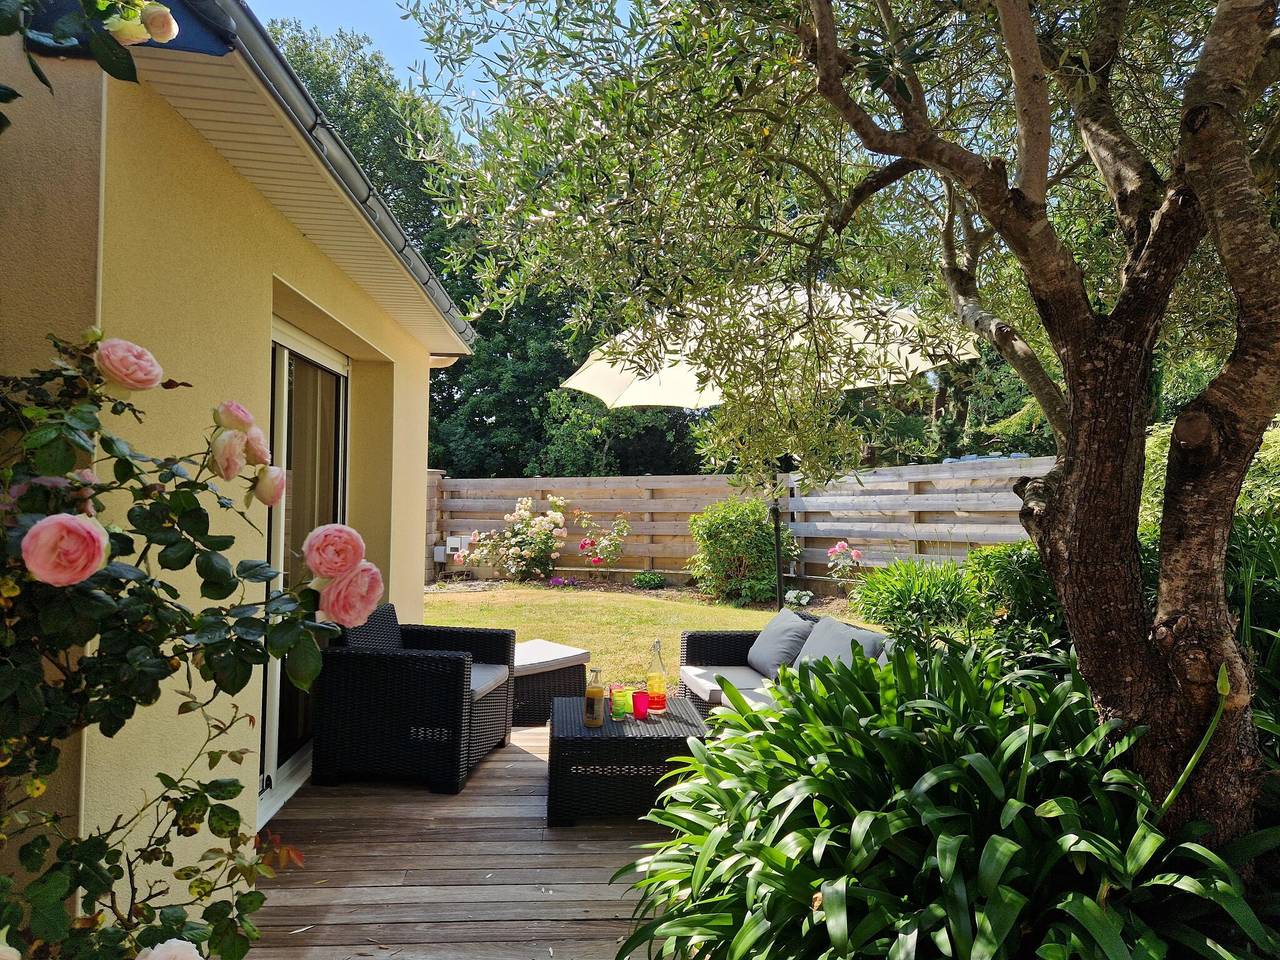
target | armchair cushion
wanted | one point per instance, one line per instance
(487, 677)
(778, 643)
(833, 640)
(704, 682)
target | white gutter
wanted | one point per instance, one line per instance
(249, 37)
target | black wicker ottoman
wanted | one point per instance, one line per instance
(613, 771)
(544, 671)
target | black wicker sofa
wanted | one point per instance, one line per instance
(706, 656)
(412, 703)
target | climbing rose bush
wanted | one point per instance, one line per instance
(92, 628)
(528, 547)
(601, 546)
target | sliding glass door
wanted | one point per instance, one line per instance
(309, 438)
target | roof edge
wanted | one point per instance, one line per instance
(235, 24)
(253, 42)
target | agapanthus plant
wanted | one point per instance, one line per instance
(91, 629)
(528, 547)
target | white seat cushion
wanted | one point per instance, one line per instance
(543, 656)
(487, 677)
(702, 683)
(759, 697)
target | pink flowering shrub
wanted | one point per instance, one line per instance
(844, 563)
(92, 629)
(602, 546)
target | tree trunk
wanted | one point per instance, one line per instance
(1083, 517)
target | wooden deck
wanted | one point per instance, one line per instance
(400, 872)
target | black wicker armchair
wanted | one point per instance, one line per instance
(412, 703)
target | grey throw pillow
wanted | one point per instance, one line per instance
(778, 643)
(832, 640)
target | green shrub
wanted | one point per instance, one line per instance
(966, 805)
(734, 562)
(648, 580)
(911, 598)
(1015, 587)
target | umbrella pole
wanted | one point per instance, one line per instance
(776, 513)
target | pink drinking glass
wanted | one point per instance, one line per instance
(640, 704)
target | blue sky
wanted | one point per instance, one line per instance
(400, 40)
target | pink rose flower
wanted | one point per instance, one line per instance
(256, 450)
(159, 22)
(64, 549)
(596, 561)
(856, 554)
(85, 494)
(227, 454)
(269, 486)
(348, 599)
(128, 365)
(232, 416)
(171, 950)
(332, 550)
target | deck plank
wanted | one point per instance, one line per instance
(398, 871)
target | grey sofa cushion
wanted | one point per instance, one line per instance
(486, 678)
(704, 682)
(832, 640)
(778, 643)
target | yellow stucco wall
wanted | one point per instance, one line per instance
(194, 262)
(49, 163)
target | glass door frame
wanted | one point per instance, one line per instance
(276, 782)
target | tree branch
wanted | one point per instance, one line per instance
(1053, 276)
(1031, 97)
(1135, 186)
(962, 285)
(868, 187)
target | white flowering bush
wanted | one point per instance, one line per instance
(527, 548)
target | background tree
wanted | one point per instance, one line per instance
(491, 413)
(1063, 166)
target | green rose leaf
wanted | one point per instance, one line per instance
(283, 636)
(256, 571)
(224, 820)
(303, 663)
(113, 58)
(177, 556)
(225, 788)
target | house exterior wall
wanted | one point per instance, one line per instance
(49, 196)
(194, 263)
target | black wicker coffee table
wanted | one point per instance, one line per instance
(613, 771)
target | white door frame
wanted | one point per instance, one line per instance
(287, 339)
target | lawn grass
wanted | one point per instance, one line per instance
(618, 628)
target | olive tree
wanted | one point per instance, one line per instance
(1041, 174)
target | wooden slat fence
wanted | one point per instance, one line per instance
(933, 510)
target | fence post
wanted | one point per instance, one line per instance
(435, 520)
(648, 518)
(913, 489)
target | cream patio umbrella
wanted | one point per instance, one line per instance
(880, 332)
(883, 333)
